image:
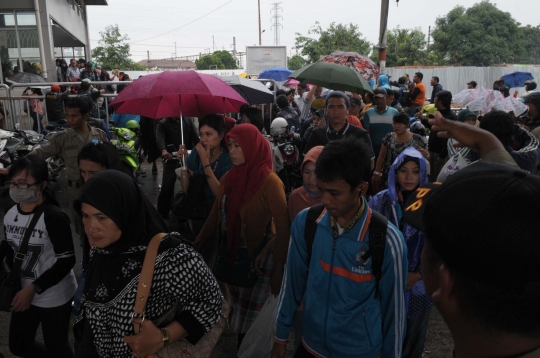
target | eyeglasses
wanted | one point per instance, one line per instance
(20, 185)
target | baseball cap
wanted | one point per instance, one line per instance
(483, 223)
(55, 88)
(355, 102)
(472, 83)
(379, 92)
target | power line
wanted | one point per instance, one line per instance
(189, 23)
(276, 25)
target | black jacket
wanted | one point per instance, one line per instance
(168, 132)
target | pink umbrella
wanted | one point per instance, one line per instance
(361, 64)
(173, 93)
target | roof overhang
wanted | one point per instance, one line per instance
(96, 2)
(63, 38)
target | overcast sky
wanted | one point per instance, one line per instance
(145, 21)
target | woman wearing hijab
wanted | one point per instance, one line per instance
(406, 174)
(120, 221)
(308, 194)
(249, 196)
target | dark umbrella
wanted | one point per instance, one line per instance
(275, 73)
(517, 79)
(330, 75)
(26, 77)
(254, 92)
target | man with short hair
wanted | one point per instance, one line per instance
(68, 144)
(533, 102)
(89, 72)
(490, 308)
(418, 95)
(352, 117)
(471, 85)
(73, 70)
(349, 309)
(300, 90)
(168, 132)
(511, 135)
(287, 112)
(336, 105)
(438, 147)
(391, 100)
(436, 88)
(378, 119)
(404, 93)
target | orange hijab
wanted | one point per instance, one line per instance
(244, 181)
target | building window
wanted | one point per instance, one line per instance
(19, 27)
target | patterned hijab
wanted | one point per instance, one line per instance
(244, 181)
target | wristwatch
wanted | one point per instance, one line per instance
(37, 289)
(165, 334)
(206, 166)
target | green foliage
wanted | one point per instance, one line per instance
(405, 47)
(296, 62)
(221, 60)
(336, 38)
(531, 38)
(481, 35)
(113, 51)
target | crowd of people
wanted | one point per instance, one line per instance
(357, 256)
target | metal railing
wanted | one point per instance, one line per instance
(18, 105)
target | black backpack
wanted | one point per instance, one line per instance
(377, 239)
(405, 97)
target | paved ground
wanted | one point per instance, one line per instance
(439, 343)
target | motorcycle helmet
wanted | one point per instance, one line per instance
(133, 125)
(529, 85)
(279, 126)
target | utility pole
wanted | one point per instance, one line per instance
(175, 53)
(277, 24)
(385, 4)
(260, 33)
(428, 37)
(213, 44)
(148, 60)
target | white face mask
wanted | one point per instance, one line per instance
(24, 196)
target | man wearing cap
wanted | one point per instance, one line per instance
(378, 119)
(483, 278)
(437, 87)
(471, 85)
(350, 310)
(352, 117)
(55, 101)
(89, 72)
(337, 104)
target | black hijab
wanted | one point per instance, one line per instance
(63, 69)
(119, 197)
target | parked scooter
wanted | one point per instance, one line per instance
(128, 145)
(285, 155)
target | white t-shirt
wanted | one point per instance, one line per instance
(43, 252)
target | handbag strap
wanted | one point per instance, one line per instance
(145, 281)
(23, 249)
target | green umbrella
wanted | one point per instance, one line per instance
(333, 76)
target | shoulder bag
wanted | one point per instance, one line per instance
(181, 348)
(10, 280)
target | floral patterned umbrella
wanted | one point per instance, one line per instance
(361, 64)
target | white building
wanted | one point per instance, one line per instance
(60, 31)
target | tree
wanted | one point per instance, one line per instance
(531, 51)
(336, 38)
(478, 36)
(296, 62)
(221, 60)
(113, 51)
(405, 47)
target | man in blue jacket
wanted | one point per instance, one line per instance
(347, 312)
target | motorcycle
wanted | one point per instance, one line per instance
(285, 155)
(128, 145)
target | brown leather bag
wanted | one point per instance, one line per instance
(181, 348)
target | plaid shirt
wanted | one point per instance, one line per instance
(73, 72)
(91, 75)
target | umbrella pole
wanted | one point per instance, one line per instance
(182, 135)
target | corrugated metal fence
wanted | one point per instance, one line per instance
(454, 79)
